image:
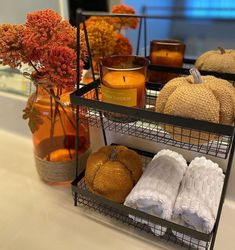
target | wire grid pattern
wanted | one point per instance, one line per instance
(181, 137)
(158, 231)
(178, 238)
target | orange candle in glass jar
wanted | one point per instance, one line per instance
(169, 53)
(167, 58)
(133, 84)
(123, 80)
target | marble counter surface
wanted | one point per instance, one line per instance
(34, 215)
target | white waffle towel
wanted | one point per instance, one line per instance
(155, 192)
(198, 200)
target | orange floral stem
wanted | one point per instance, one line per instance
(57, 100)
(71, 122)
(53, 119)
(33, 66)
(63, 128)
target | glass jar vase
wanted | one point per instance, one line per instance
(53, 125)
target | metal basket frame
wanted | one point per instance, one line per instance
(95, 106)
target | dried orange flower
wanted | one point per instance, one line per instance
(93, 19)
(83, 47)
(65, 34)
(41, 27)
(124, 22)
(123, 45)
(59, 67)
(46, 42)
(11, 45)
(46, 28)
(102, 39)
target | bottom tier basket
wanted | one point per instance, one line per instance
(159, 228)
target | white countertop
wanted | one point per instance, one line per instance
(36, 216)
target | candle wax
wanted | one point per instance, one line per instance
(167, 58)
(126, 80)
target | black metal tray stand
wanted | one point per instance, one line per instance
(150, 126)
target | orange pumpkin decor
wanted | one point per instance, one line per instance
(198, 97)
(112, 172)
(221, 60)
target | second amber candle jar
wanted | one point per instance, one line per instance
(168, 53)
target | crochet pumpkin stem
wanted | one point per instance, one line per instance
(113, 156)
(222, 50)
(196, 75)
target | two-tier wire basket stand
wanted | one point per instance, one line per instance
(149, 126)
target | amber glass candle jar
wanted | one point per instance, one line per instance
(169, 53)
(123, 80)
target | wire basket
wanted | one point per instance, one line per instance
(190, 134)
(159, 228)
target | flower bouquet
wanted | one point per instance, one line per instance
(47, 45)
(105, 35)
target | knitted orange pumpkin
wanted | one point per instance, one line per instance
(220, 60)
(198, 97)
(113, 171)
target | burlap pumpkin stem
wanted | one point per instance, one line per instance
(211, 99)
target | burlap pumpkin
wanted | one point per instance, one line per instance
(112, 172)
(211, 100)
(217, 60)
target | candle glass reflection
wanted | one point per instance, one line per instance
(123, 82)
(168, 53)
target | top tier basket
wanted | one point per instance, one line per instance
(194, 135)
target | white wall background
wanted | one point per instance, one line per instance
(114, 2)
(199, 36)
(14, 11)
(156, 29)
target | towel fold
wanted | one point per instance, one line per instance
(155, 192)
(199, 195)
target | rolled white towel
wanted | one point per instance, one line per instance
(156, 191)
(198, 200)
